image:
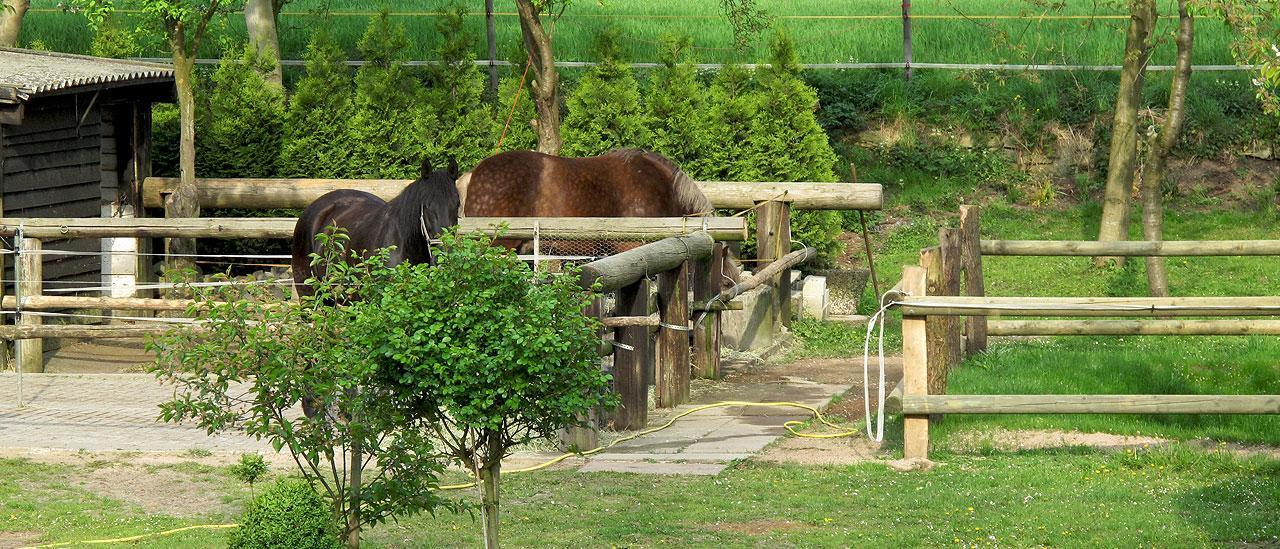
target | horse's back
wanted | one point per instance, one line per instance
(343, 208)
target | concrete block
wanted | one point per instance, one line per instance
(814, 298)
(753, 327)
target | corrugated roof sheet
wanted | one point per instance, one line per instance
(32, 72)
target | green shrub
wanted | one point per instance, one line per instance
(463, 122)
(315, 129)
(166, 124)
(385, 130)
(514, 103)
(677, 106)
(288, 515)
(241, 129)
(605, 112)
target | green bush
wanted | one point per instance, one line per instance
(514, 102)
(733, 105)
(165, 127)
(315, 130)
(241, 127)
(288, 515)
(385, 130)
(605, 112)
(677, 105)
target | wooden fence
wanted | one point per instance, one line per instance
(929, 298)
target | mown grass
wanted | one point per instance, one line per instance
(1072, 498)
(965, 35)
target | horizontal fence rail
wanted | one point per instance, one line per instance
(259, 193)
(1091, 404)
(1133, 327)
(1167, 248)
(1090, 306)
(562, 228)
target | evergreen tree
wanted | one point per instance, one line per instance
(733, 104)
(315, 130)
(383, 131)
(605, 111)
(519, 131)
(677, 109)
(242, 126)
(463, 127)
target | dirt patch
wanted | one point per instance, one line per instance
(823, 451)
(833, 371)
(157, 490)
(279, 462)
(1011, 441)
(9, 540)
(756, 527)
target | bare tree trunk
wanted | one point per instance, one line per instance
(493, 47)
(260, 20)
(1124, 135)
(490, 476)
(353, 507)
(11, 14)
(1152, 209)
(546, 81)
(184, 202)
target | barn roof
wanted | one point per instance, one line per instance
(27, 73)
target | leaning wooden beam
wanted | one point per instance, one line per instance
(298, 193)
(784, 263)
(1132, 327)
(1091, 404)
(561, 228)
(619, 270)
(92, 331)
(1092, 306)
(1091, 248)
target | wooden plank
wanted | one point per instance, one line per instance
(1133, 327)
(83, 209)
(79, 157)
(565, 228)
(949, 284)
(37, 302)
(629, 377)
(1091, 306)
(92, 331)
(936, 326)
(297, 193)
(971, 265)
(16, 150)
(1091, 404)
(51, 197)
(915, 367)
(773, 231)
(30, 352)
(673, 338)
(1166, 248)
(707, 274)
(622, 269)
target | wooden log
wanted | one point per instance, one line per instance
(622, 269)
(971, 264)
(1165, 248)
(936, 326)
(949, 284)
(1092, 306)
(707, 274)
(564, 228)
(673, 338)
(773, 240)
(716, 306)
(91, 331)
(915, 367)
(629, 321)
(29, 275)
(787, 262)
(1091, 404)
(1133, 327)
(55, 302)
(629, 364)
(298, 193)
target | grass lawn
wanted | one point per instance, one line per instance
(969, 31)
(1165, 497)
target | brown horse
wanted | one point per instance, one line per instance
(620, 183)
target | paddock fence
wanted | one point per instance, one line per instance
(932, 300)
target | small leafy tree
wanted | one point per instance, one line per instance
(259, 358)
(605, 111)
(493, 357)
(242, 129)
(315, 141)
(384, 132)
(250, 469)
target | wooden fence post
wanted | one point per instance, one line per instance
(29, 273)
(949, 284)
(773, 240)
(583, 438)
(931, 260)
(971, 257)
(707, 275)
(672, 373)
(915, 366)
(629, 364)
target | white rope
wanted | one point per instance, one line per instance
(878, 435)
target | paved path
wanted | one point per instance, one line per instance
(117, 412)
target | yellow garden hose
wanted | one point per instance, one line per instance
(790, 426)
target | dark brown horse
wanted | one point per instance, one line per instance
(620, 183)
(408, 222)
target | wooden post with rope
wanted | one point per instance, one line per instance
(28, 275)
(915, 367)
(773, 240)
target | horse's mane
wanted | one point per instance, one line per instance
(687, 194)
(425, 201)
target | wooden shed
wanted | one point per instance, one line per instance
(75, 141)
